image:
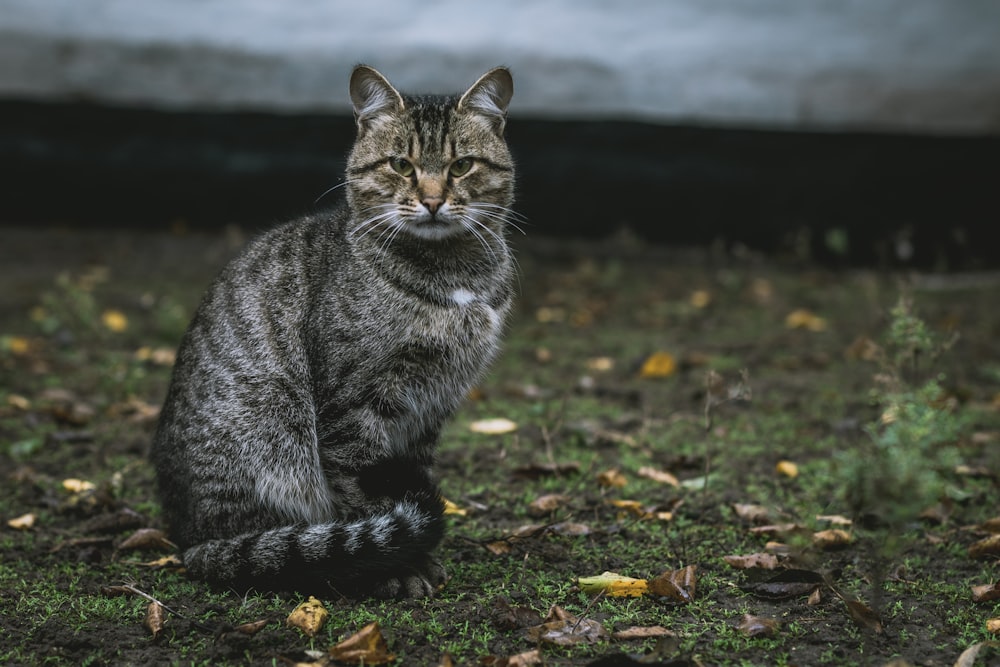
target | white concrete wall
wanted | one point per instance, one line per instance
(900, 65)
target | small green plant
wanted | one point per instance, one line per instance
(899, 469)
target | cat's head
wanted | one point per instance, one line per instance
(430, 168)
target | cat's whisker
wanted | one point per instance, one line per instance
(331, 189)
(500, 214)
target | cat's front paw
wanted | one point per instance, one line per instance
(420, 582)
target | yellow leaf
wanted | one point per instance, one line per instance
(74, 485)
(787, 469)
(308, 617)
(452, 508)
(497, 426)
(613, 585)
(700, 298)
(993, 626)
(804, 319)
(658, 365)
(18, 345)
(23, 522)
(18, 401)
(114, 320)
(600, 364)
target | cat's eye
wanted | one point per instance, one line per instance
(460, 167)
(402, 166)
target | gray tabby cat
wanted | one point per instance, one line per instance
(297, 438)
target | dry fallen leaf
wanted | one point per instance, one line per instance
(677, 584)
(986, 592)
(74, 485)
(539, 470)
(155, 619)
(969, 655)
(612, 479)
(308, 617)
(832, 538)
(23, 522)
(165, 562)
(658, 365)
(452, 508)
(787, 469)
(147, 538)
(661, 476)
(700, 298)
(526, 659)
(600, 364)
(986, 548)
(114, 320)
(497, 426)
(786, 584)
(252, 628)
(835, 519)
(762, 561)
(366, 647)
(642, 632)
(564, 629)
(804, 319)
(993, 626)
(613, 585)
(758, 626)
(752, 513)
(547, 504)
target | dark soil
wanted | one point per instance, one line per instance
(78, 394)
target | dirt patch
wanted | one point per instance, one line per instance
(89, 320)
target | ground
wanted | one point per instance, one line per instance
(666, 409)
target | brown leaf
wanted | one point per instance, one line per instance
(547, 504)
(862, 614)
(367, 647)
(171, 561)
(642, 632)
(752, 513)
(758, 626)
(661, 476)
(155, 619)
(115, 522)
(252, 628)
(526, 659)
(832, 538)
(986, 592)
(786, 584)
(993, 626)
(570, 528)
(507, 617)
(612, 478)
(815, 597)
(564, 629)
(969, 655)
(985, 548)
(835, 519)
(990, 525)
(778, 529)
(147, 538)
(308, 617)
(677, 584)
(763, 561)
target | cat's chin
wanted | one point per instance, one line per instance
(433, 230)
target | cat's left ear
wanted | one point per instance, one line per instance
(490, 96)
(372, 95)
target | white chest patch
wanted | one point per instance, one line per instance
(463, 297)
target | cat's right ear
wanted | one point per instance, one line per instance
(372, 96)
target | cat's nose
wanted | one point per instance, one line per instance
(433, 203)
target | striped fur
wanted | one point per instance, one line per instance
(296, 442)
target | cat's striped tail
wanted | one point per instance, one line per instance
(385, 554)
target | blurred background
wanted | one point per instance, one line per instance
(851, 131)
